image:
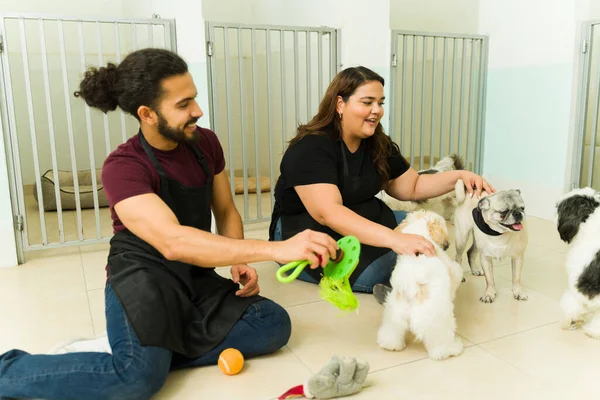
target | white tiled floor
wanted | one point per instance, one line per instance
(514, 350)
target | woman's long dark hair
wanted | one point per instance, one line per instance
(327, 120)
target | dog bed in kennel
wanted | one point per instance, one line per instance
(67, 190)
(265, 183)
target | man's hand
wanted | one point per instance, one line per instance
(307, 245)
(247, 276)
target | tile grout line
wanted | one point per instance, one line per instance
(299, 359)
(301, 362)
(401, 364)
(87, 293)
(544, 383)
(509, 280)
(515, 333)
(304, 304)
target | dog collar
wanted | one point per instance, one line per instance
(482, 225)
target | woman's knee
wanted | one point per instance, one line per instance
(379, 271)
(399, 215)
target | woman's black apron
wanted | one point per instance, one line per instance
(372, 209)
(184, 308)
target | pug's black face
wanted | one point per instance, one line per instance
(503, 211)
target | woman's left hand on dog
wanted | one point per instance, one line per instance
(475, 184)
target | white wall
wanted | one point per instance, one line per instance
(594, 9)
(276, 12)
(530, 97)
(96, 8)
(440, 16)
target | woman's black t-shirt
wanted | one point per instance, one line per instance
(318, 159)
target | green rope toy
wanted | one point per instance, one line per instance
(335, 284)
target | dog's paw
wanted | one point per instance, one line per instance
(389, 340)
(569, 324)
(442, 352)
(519, 294)
(457, 347)
(488, 298)
(439, 354)
(477, 272)
(592, 328)
(593, 333)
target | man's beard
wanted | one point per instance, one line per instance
(177, 135)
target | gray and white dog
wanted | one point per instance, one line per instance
(444, 205)
(497, 223)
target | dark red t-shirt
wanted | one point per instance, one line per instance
(128, 171)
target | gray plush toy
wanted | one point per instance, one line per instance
(339, 378)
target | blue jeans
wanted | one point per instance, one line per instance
(133, 371)
(379, 271)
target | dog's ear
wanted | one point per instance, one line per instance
(568, 228)
(484, 204)
(572, 212)
(437, 232)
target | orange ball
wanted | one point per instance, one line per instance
(231, 361)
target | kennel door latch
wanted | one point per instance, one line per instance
(209, 49)
(584, 46)
(20, 223)
(394, 60)
(1, 44)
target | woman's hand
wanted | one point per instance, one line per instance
(409, 244)
(475, 183)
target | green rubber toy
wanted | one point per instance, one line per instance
(335, 284)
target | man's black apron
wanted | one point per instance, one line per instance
(185, 308)
(373, 209)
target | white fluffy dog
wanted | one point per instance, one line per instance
(423, 291)
(579, 224)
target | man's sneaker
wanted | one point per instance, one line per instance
(81, 345)
(380, 291)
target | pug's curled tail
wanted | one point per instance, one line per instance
(461, 191)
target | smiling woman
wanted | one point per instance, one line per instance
(334, 168)
(332, 171)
